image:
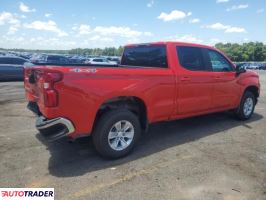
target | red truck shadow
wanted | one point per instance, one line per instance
(80, 157)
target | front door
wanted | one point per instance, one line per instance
(225, 87)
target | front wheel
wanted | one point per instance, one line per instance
(247, 106)
(116, 133)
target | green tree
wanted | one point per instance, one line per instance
(252, 51)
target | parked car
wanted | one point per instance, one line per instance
(114, 59)
(99, 61)
(155, 82)
(11, 68)
(239, 64)
(53, 59)
(252, 66)
(262, 66)
(76, 61)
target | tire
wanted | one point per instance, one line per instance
(106, 137)
(244, 112)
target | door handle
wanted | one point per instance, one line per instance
(217, 77)
(185, 79)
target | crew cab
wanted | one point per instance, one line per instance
(155, 82)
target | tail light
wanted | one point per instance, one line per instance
(50, 94)
(27, 73)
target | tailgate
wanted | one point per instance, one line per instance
(39, 84)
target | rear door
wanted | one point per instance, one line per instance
(194, 80)
(149, 64)
(225, 87)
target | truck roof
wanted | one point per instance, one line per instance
(171, 42)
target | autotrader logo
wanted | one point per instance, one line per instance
(27, 193)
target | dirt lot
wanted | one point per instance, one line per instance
(209, 157)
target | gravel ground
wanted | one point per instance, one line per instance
(207, 157)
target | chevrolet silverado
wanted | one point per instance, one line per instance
(154, 82)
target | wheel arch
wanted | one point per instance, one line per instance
(254, 89)
(133, 103)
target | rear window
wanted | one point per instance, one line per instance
(54, 58)
(57, 59)
(191, 58)
(146, 56)
(98, 60)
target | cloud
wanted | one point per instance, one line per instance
(25, 8)
(173, 15)
(225, 28)
(237, 7)
(12, 30)
(235, 30)
(185, 38)
(8, 18)
(148, 34)
(48, 15)
(102, 39)
(260, 11)
(217, 26)
(194, 21)
(37, 42)
(100, 31)
(222, 1)
(117, 30)
(150, 4)
(50, 43)
(46, 26)
(13, 39)
(113, 30)
(83, 29)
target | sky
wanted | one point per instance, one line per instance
(58, 24)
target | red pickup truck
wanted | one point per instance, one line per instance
(155, 82)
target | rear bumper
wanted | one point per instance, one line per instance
(54, 129)
(51, 129)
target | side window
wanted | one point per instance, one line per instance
(98, 60)
(219, 62)
(63, 60)
(53, 58)
(50, 59)
(145, 56)
(191, 58)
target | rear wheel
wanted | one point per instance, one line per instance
(116, 133)
(246, 107)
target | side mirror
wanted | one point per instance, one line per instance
(240, 70)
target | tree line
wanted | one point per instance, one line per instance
(252, 51)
